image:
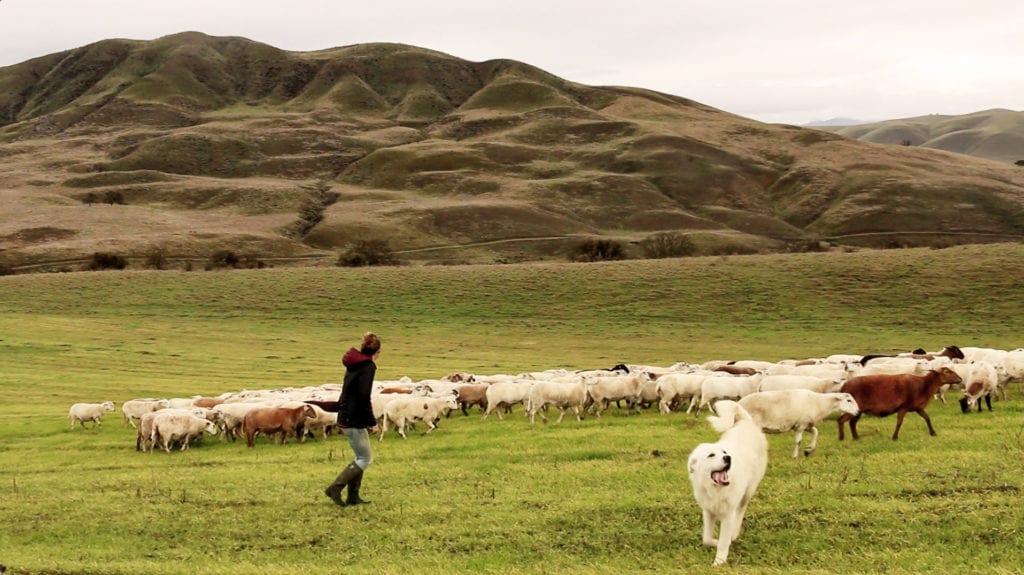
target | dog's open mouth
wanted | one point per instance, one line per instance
(721, 477)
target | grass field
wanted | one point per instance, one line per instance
(605, 495)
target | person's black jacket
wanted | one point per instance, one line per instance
(354, 406)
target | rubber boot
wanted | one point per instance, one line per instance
(353, 490)
(344, 478)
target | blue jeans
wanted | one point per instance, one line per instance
(359, 439)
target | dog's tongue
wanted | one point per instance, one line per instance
(720, 477)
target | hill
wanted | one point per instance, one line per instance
(992, 134)
(189, 144)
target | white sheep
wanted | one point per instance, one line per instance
(133, 409)
(82, 412)
(561, 395)
(604, 390)
(797, 410)
(979, 379)
(502, 395)
(170, 428)
(675, 388)
(813, 383)
(320, 421)
(732, 387)
(408, 409)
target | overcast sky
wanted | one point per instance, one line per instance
(789, 61)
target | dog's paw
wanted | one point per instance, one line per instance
(719, 561)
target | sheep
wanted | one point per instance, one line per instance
(322, 421)
(604, 390)
(781, 382)
(169, 428)
(82, 412)
(505, 394)
(474, 394)
(885, 394)
(674, 388)
(144, 430)
(133, 409)
(406, 409)
(561, 395)
(280, 421)
(980, 379)
(233, 414)
(797, 410)
(727, 387)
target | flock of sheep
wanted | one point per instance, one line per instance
(791, 395)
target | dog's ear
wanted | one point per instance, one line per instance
(691, 465)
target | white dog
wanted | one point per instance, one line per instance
(725, 474)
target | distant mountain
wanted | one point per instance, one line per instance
(190, 145)
(993, 134)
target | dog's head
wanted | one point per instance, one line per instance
(710, 462)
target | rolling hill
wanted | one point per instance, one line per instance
(992, 134)
(192, 144)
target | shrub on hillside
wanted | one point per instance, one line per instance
(596, 250)
(157, 259)
(106, 261)
(667, 245)
(223, 259)
(368, 253)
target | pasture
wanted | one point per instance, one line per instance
(606, 495)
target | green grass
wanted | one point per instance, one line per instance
(605, 495)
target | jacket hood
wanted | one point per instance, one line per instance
(354, 356)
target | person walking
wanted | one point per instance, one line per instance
(355, 418)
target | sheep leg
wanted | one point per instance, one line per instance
(928, 420)
(814, 441)
(899, 422)
(561, 414)
(988, 401)
(797, 437)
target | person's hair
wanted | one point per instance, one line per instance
(371, 344)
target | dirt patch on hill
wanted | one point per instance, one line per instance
(41, 235)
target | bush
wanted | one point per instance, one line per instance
(668, 245)
(107, 261)
(368, 253)
(113, 197)
(157, 259)
(595, 250)
(223, 259)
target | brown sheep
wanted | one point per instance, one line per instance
(277, 420)
(886, 394)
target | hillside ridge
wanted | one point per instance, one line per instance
(192, 144)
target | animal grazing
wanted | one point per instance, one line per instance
(886, 394)
(407, 409)
(279, 421)
(177, 427)
(470, 395)
(82, 412)
(725, 475)
(796, 410)
(133, 409)
(561, 395)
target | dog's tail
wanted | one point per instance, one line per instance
(729, 414)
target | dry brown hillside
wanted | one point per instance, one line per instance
(993, 134)
(192, 144)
